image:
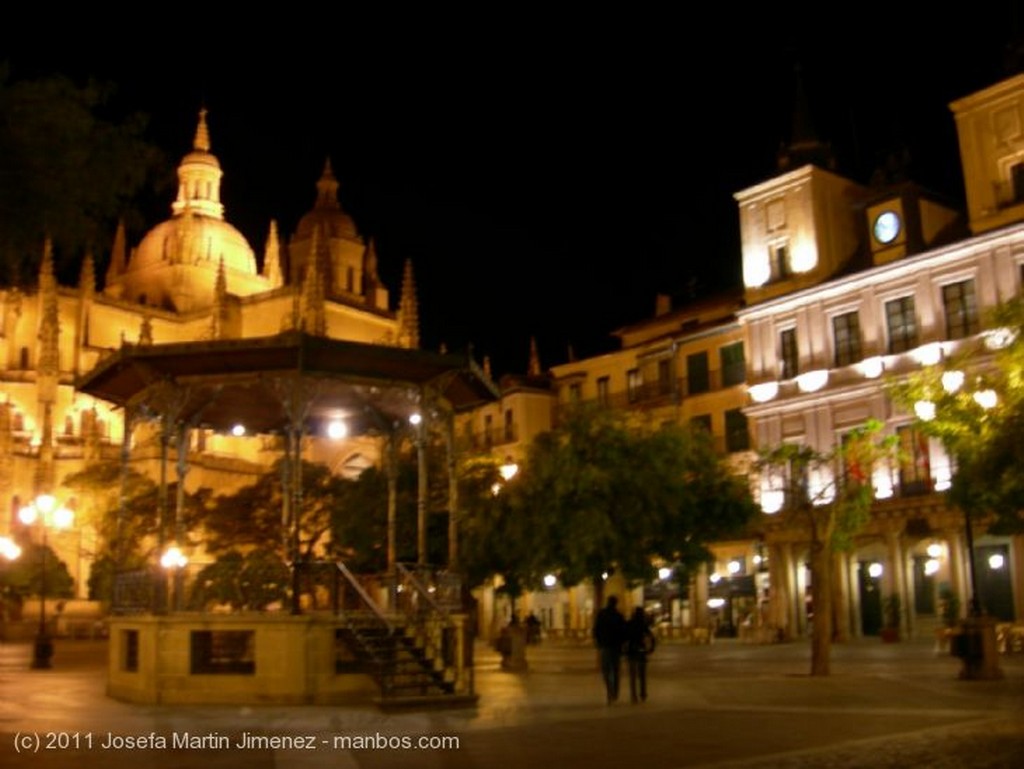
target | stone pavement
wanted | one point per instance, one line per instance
(723, 705)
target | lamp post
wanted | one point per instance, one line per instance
(976, 642)
(44, 511)
(173, 562)
(9, 551)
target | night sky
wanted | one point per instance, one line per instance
(547, 176)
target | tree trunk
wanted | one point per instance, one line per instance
(821, 602)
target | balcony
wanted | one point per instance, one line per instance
(485, 440)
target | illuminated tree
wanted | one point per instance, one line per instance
(974, 404)
(828, 495)
(599, 494)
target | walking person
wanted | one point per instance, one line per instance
(609, 635)
(639, 643)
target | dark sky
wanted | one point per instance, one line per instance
(548, 177)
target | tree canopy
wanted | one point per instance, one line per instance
(827, 495)
(69, 170)
(974, 404)
(598, 494)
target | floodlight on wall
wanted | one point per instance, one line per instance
(772, 500)
(998, 338)
(415, 419)
(875, 570)
(987, 399)
(927, 354)
(996, 561)
(763, 391)
(924, 410)
(934, 550)
(756, 273)
(238, 430)
(716, 603)
(804, 257)
(872, 367)
(715, 578)
(550, 580)
(952, 380)
(931, 566)
(664, 573)
(883, 483)
(812, 381)
(734, 567)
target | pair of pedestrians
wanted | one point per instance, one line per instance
(615, 635)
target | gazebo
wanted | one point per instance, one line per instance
(409, 639)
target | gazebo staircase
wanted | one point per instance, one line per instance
(414, 649)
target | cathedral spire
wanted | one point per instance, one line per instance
(272, 268)
(312, 313)
(327, 188)
(533, 369)
(49, 322)
(199, 177)
(118, 255)
(87, 277)
(804, 145)
(408, 311)
(202, 141)
(371, 280)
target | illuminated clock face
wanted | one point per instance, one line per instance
(887, 227)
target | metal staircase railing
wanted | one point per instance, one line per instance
(410, 647)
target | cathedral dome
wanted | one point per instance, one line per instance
(176, 264)
(327, 215)
(194, 239)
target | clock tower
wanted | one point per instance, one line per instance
(904, 219)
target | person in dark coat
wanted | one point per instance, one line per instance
(609, 635)
(639, 643)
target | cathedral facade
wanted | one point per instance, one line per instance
(192, 277)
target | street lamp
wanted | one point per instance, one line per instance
(174, 561)
(977, 645)
(9, 551)
(44, 511)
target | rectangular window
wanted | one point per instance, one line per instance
(510, 426)
(701, 422)
(780, 262)
(961, 308)
(915, 466)
(901, 324)
(130, 651)
(664, 377)
(846, 335)
(633, 384)
(788, 353)
(223, 652)
(737, 433)
(488, 431)
(734, 367)
(575, 392)
(1017, 181)
(346, 660)
(602, 391)
(697, 378)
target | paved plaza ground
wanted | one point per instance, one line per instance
(726, 704)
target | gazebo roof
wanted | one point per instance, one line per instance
(266, 383)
